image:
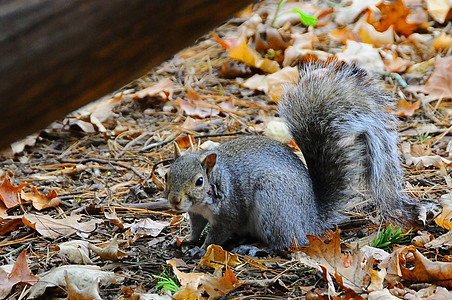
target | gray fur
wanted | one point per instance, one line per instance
(258, 186)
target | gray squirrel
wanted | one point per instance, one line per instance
(253, 185)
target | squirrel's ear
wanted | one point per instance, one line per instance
(209, 161)
(177, 152)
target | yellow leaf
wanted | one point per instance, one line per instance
(444, 219)
(244, 53)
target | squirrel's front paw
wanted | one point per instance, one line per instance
(195, 252)
(251, 251)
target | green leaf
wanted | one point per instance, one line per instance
(306, 19)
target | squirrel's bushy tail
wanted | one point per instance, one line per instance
(337, 115)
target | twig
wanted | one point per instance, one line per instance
(103, 161)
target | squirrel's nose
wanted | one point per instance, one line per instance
(174, 200)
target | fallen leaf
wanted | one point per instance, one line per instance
(193, 285)
(346, 14)
(146, 227)
(422, 238)
(185, 142)
(353, 268)
(217, 258)
(444, 220)
(424, 161)
(241, 51)
(85, 293)
(9, 225)
(363, 55)
(438, 84)
(372, 36)
(278, 80)
(9, 194)
(76, 251)
(394, 14)
(39, 200)
(193, 108)
(81, 276)
(54, 228)
(406, 109)
(110, 252)
(20, 145)
(273, 84)
(383, 294)
(439, 9)
(444, 241)
(163, 89)
(113, 218)
(416, 267)
(442, 43)
(344, 34)
(20, 273)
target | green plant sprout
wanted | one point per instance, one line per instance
(167, 282)
(423, 137)
(388, 237)
(306, 19)
(280, 4)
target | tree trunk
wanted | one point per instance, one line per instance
(56, 56)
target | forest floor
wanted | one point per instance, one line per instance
(82, 200)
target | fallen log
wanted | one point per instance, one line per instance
(56, 56)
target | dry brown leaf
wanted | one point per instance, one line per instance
(438, 84)
(439, 10)
(9, 194)
(422, 238)
(163, 89)
(39, 200)
(371, 36)
(54, 228)
(81, 276)
(76, 251)
(86, 293)
(422, 161)
(241, 51)
(194, 108)
(146, 227)
(444, 220)
(113, 218)
(80, 125)
(363, 55)
(444, 241)
(344, 34)
(110, 252)
(218, 258)
(421, 269)
(397, 64)
(395, 14)
(346, 14)
(19, 274)
(405, 109)
(8, 225)
(443, 42)
(353, 268)
(185, 142)
(278, 80)
(193, 285)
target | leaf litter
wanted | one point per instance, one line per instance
(85, 194)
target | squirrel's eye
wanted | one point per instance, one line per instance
(199, 181)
